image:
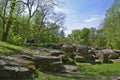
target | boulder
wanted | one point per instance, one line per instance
(13, 68)
(67, 48)
(56, 46)
(82, 49)
(102, 56)
(79, 58)
(113, 56)
(55, 66)
(117, 51)
(55, 52)
(63, 57)
(50, 63)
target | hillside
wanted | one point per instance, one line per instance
(8, 49)
(85, 71)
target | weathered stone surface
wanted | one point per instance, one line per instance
(55, 66)
(45, 59)
(63, 57)
(67, 48)
(102, 56)
(13, 68)
(113, 56)
(56, 46)
(51, 63)
(117, 78)
(70, 69)
(82, 49)
(55, 52)
(79, 59)
(117, 51)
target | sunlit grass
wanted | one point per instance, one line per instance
(8, 49)
(85, 72)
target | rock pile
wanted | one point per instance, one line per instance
(20, 66)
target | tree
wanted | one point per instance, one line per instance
(75, 36)
(29, 19)
(92, 36)
(111, 27)
(85, 36)
(46, 18)
(7, 16)
(79, 36)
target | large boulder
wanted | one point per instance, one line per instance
(67, 48)
(50, 63)
(83, 50)
(13, 68)
(117, 51)
(87, 55)
(102, 56)
(113, 56)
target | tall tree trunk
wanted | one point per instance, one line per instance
(5, 34)
(9, 22)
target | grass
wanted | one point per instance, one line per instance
(8, 49)
(86, 72)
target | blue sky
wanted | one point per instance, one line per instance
(84, 13)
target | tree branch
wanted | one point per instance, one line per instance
(22, 2)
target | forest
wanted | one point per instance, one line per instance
(25, 20)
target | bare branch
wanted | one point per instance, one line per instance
(35, 11)
(22, 2)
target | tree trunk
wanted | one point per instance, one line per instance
(9, 23)
(6, 32)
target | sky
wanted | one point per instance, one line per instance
(83, 13)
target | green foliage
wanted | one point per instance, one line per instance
(111, 27)
(80, 36)
(42, 24)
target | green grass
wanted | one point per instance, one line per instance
(8, 49)
(86, 72)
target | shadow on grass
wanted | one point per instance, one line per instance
(73, 76)
(4, 50)
(10, 48)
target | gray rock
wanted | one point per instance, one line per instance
(117, 51)
(50, 63)
(113, 56)
(79, 58)
(67, 48)
(13, 68)
(82, 49)
(102, 56)
(117, 78)
(55, 52)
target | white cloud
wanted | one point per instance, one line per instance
(63, 10)
(75, 20)
(92, 19)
